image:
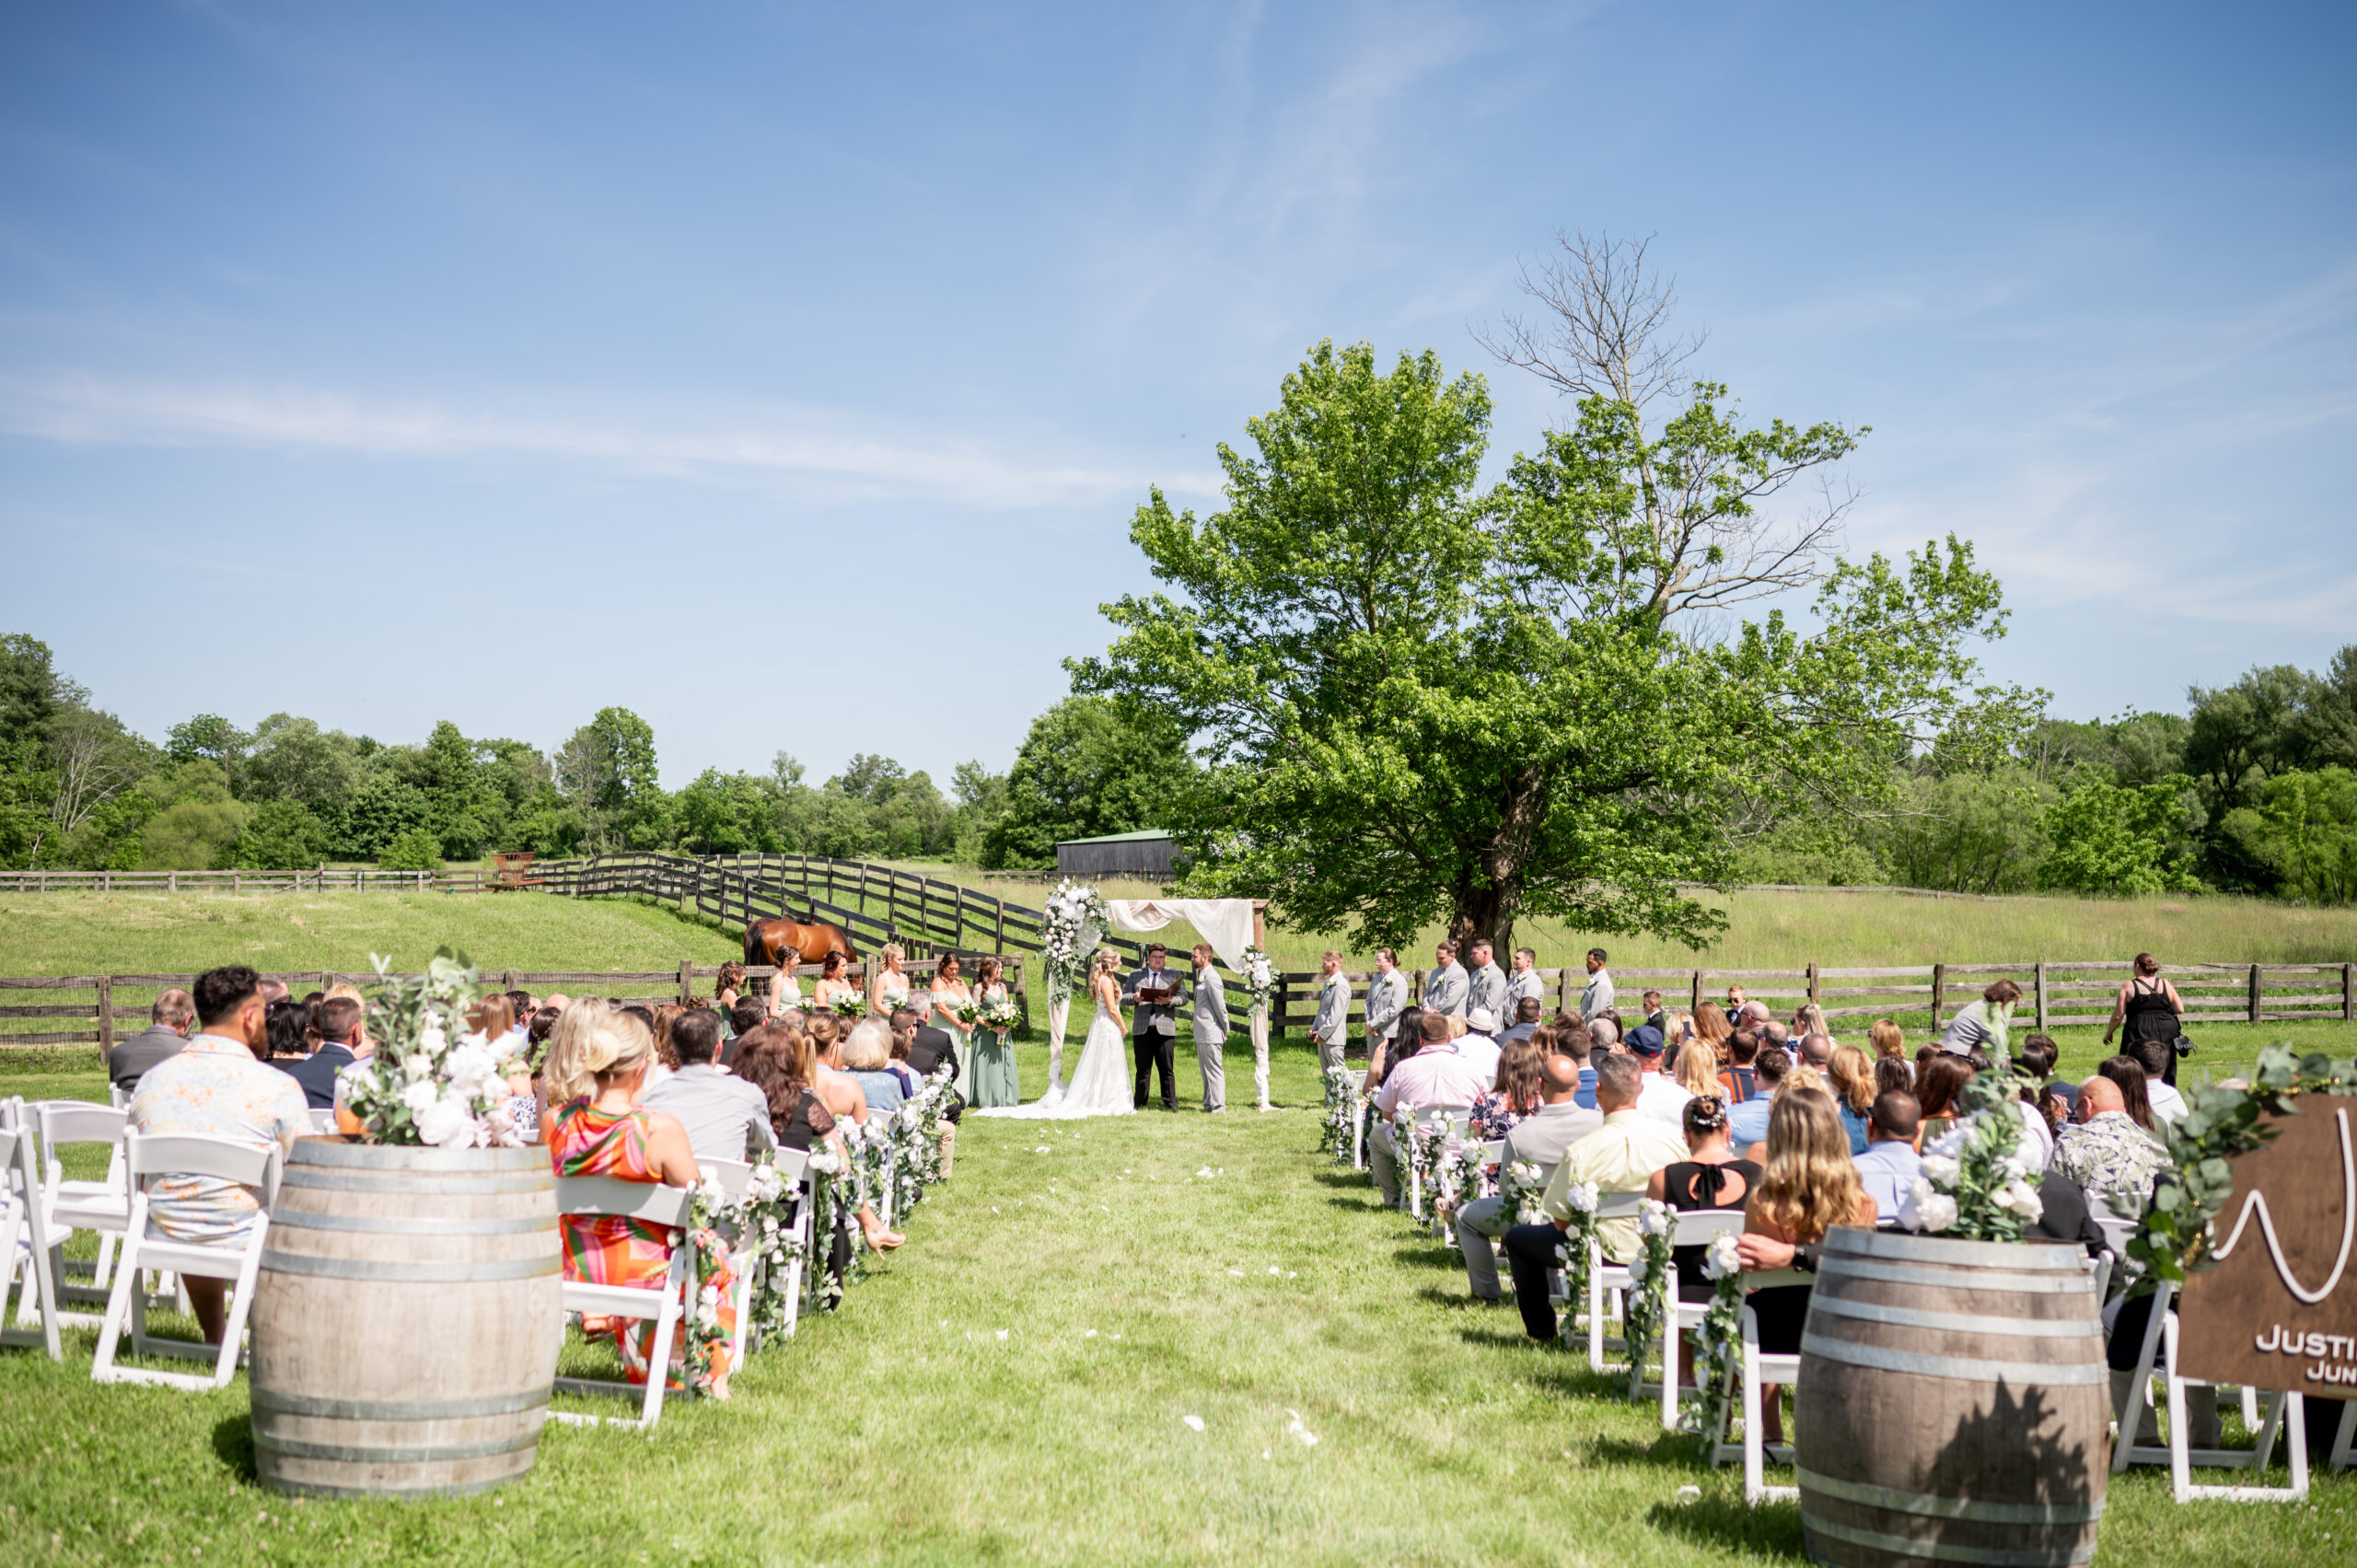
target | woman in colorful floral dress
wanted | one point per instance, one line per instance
(597, 1130)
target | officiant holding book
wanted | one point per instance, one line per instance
(1156, 993)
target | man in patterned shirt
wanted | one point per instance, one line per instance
(217, 1087)
(2108, 1154)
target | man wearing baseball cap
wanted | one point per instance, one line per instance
(1479, 1045)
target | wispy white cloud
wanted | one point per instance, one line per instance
(818, 448)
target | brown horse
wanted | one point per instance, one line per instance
(769, 942)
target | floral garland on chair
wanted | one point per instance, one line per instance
(1650, 1279)
(1427, 1146)
(1718, 1346)
(827, 1174)
(1342, 1111)
(1580, 1197)
(759, 1222)
(1521, 1185)
(1463, 1179)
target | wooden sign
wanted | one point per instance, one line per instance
(2279, 1310)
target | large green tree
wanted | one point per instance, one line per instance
(1089, 767)
(1420, 699)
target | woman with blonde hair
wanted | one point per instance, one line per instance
(866, 1056)
(846, 1097)
(1853, 1078)
(889, 991)
(1698, 1072)
(600, 1131)
(1808, 1186)
(1888, 1039)
(1810, 1020)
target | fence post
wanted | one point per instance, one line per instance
(1939, 993)
(2253, 993)
(106, 1014)
(2349, 994)
(687, 981)
(998, 939)
(2040, 980)
(1812, 984)
(1695, 1005)
(176, 882)
(233, 881)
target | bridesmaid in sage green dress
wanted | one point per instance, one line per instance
(996, 1081)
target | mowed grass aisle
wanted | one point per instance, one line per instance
(1013, 1387)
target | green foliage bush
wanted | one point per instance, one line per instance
(415, 850)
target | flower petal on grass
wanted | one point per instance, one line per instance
(1309, 1438)
(1195, 1422)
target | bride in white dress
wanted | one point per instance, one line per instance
(1099, 1083)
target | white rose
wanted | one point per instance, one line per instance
(2022, 1198)
(418, 1067)
(1940, 1169)
(471, 1069)
(1723, 1258)
(421, 1097)
(431, 1039)
(1637, 1270)
(2013, 1167)
(1927, 1209)
(446, 1124)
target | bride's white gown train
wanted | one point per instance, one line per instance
(1101, 1080)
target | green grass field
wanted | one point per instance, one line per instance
(1131, 1292)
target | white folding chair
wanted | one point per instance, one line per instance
(733, 1175)
(1358, 1129)
(665, 1305)
(1697, 1227)
(2344, 1443)
(102, 1206)
(1755, 1370)
(1604, 1278)
(25, 1236)
(2268, 1413)
(165, 1154)
(323, 1122)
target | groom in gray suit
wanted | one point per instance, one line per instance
(1211, 1029)
(1157, 994)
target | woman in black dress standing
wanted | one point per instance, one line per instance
(2148, 1008)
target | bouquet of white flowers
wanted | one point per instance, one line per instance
(999, 1014)
(430, 1080)
(1975, 1186)
(967, 1013)
(850, 1005)
(1070, 927)
(1260, 978)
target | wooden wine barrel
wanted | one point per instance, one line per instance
(407, 1320)
(1952, 1404)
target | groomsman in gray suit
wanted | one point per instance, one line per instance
(1487, 985)
(1387, 998)
(1445, 988)
(1211, 1029)
(1524, 981)
(1331, 1028)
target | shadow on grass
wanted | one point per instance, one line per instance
(1428, 1254)
(1724, 1521)
(233, 1440)
(1355, 1179)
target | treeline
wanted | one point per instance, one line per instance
(2255, 790)
(2252, 791)
(80, 790)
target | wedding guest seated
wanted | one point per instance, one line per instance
(1851, 1075)
(1888, 1168)
(1661, 1096)
(1747, 1122)
(288, 1026)
(1435, 1076)
(1774, 1036)
(600, 1128)
(1479, 1046)
(929, 1046)
(1808, 1186)
(1573, 1039)
(2112, 1159)
(1817, 1050)
(841, 1092)
(1940, 1082)
(1526, 1021)
(217, 1087)
(1537, 1139)
(1709, 1177)
(1696, 1072)
(1384, 1056)
(169, 1022)
(866, 1054)
(745, 1015)
(1893, 1073)
(723, 1115)
(1739, 1079)
(2154, 1056)
(1618, 1156)
(1886, 1041)
(337, 1022)
(1517, 1091)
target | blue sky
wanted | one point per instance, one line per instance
(789, 374)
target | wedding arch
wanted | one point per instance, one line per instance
(1077, 917)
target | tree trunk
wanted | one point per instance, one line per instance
(1488, 895)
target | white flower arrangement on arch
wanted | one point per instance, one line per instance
(1070, 927)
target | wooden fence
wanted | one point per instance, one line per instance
(99, 1010)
